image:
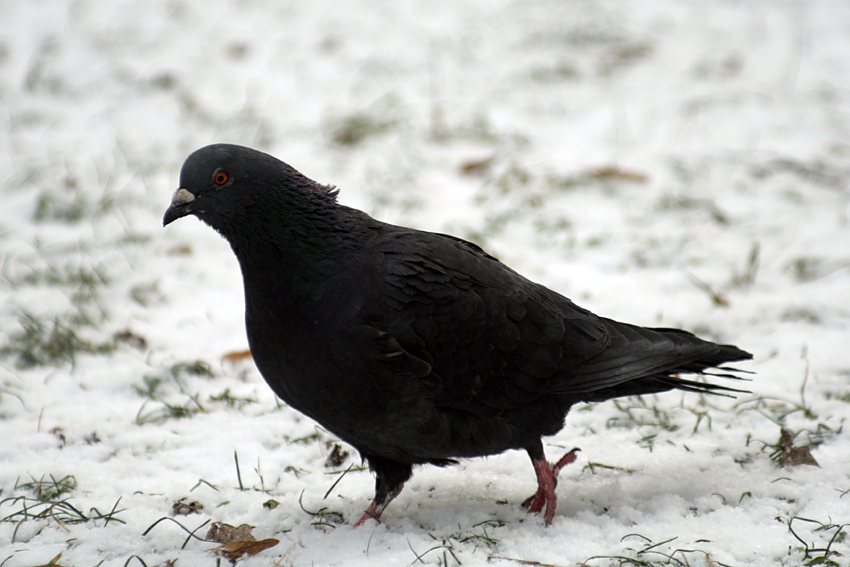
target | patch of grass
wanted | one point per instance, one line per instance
(153, 390)
(593, 466)
(307, 439)
(169, 411)
(688, 203)
(810, 268)
(45, 341)
(52, 339)
(232, 401)
(800, 315)
(184, 528)
(554, 72)
(67, 202)
(351, 130)
(479, 534)
(774, 408)
(591, 34)
(816, 172)
(83, 280)
(476, 127)
(295, 470)
(354, 128)
(52, 501)
(656, 554)
(151, 384)
(623, 56)
(637, 412)
(193, 368)
(146, 294)
(322, 517)
(48, 487)
(778, 409)
(513, 179)
(815, 553)
(341, 474)
(445, 546)
(747, 276)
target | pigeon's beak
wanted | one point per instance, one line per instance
(181, 205)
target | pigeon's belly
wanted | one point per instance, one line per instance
(378, 423)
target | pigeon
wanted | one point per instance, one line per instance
(417, 347)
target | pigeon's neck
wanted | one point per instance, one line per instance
(291, 255)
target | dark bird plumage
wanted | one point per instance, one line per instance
(412, 346)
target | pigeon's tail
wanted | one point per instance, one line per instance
(646, 361)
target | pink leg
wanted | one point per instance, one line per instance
(371, 512)
(547, 480)
(375, 509)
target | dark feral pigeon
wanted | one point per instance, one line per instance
(412, 346)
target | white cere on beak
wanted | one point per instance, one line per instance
(181, 197)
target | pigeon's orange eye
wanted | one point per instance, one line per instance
(221, 177)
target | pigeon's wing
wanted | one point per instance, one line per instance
(496, 341)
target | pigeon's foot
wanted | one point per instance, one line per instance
(547, 480)
(378, 505)
(373, 511)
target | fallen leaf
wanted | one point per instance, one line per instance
(614, 173)
(129, 337)
(237, 356)
(183, 508)
(336, 457)
(234, 550)
(180, 250)
(225, 533)
(786, 455)
(476, 166)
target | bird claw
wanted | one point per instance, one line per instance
(547, 480)
(568, 458)
(372, 511)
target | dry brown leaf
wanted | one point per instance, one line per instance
(183, 508)
(786, 455)
(797, 456)
(236, 356)
(130, 338)
(180, 250)
(614, 173)
(622, 56)
(476, 166)
(225, 533)
(336, 457)
(234, 550)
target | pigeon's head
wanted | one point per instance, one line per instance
(224, 185)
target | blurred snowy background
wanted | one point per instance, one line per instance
(664, 163)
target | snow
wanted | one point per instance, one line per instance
(725, 130)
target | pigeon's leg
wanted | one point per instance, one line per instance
(547, 480)
(390, 477)
(377, 507)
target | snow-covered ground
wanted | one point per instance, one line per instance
(665, 163)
